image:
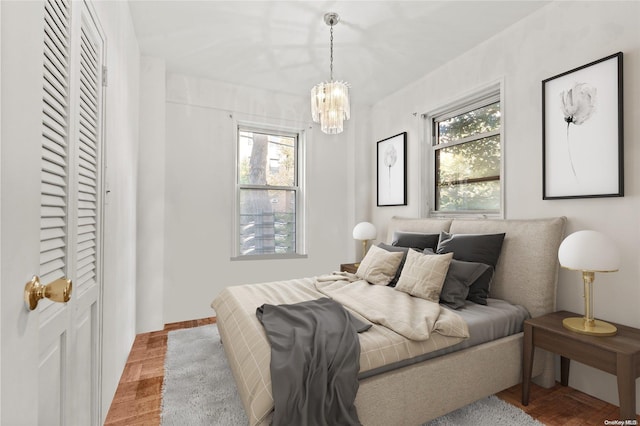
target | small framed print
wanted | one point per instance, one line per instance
(392, 170)
(582, 131)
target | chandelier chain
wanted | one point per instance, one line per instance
(331, 55)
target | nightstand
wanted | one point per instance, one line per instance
(349, 267)
(619, 355)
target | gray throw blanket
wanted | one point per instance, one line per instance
(315, 360)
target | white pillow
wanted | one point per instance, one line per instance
(423, 275)
(379, 266)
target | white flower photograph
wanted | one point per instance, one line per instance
(392, 171)
(582, 131)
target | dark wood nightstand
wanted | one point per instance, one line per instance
(349, 267)
(619, 355)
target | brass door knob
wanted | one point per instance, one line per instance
(57, 291)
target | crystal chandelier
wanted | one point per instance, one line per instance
(330, 100)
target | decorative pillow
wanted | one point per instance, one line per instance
(395, 249)
(479, 290)
(482, 248)
(460, 276)
(423, 276)
(379, 266)
(415, 240)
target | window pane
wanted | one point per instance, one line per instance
(481, 120)
(266, 159)
(267, 221)
(469, 196)
(471, 160)
(468, 175)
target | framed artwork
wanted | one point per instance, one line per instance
(392, 170)
(582, 132)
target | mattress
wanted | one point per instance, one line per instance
(497, 319)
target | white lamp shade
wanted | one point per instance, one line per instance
(364, 231)
(589, 251)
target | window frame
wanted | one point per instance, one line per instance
(478, 98)
(299, 188)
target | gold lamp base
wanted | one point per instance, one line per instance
(364, 252)
(592, 328)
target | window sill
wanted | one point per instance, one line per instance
(269, 257)
(466, 215)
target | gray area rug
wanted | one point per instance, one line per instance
(199, 389)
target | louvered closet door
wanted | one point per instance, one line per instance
(55, 142)
(85, 319)
(54, 338)
(69, 335)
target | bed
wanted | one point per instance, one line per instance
(418, 390)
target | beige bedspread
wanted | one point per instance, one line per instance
(248, 349)
(409, 316)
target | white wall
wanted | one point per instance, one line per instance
(559, 37)
(150, 200)
(121, 144)
(199, 184)
(0, 210)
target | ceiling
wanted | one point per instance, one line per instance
(379, 46)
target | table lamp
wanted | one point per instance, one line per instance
(589, 252)
(364, 231)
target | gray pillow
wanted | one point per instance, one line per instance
(482, 248)
(415, 240)
(457, 283)
(479, 290)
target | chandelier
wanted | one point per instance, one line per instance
(330, 100)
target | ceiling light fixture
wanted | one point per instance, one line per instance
(330, 100)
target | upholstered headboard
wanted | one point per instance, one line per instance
(527, 270)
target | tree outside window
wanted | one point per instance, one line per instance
(468, 159)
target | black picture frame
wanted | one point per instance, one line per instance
(391, 161)
(582, 131)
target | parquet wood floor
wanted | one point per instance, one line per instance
(139, 394)
(563, 406)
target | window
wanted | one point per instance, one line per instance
(467, 157)
(269, 193)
